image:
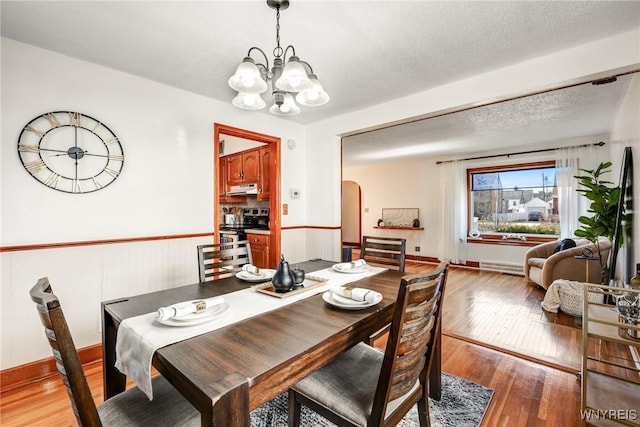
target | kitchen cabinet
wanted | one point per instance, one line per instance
(259, 249)
(264, 181)
(223, 186)
(610, 377)
(243, 168)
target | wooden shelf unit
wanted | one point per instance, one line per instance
(610, 394)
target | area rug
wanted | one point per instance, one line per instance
(463, 404)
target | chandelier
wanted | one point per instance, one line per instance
(251, 78)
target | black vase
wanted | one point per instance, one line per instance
(298, 276)
(283, 279)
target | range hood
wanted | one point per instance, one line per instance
(243, 189)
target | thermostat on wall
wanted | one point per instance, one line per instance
(295, 193)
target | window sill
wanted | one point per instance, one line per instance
(497, 240)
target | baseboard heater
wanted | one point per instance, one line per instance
(502, 267)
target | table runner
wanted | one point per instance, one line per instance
(140, 336)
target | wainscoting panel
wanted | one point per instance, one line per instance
(324, 243)
(301, 244)
(82, 277)
(293, 244)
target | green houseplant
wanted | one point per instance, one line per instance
(604, 197)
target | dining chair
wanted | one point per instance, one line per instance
(219, 260)
(129, 408)
(389, 251)
(384, 250)
(365, 386)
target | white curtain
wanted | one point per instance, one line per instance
(572, 204)
(453, 202)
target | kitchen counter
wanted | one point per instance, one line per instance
(257, 231)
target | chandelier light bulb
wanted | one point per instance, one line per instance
(248, 101)
(248, 81)
(314, 96)
(288, 107)
(294, 82)
(247, 78)
(294, 77)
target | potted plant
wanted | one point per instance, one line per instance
(604, 197)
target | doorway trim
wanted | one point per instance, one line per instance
(274, 181)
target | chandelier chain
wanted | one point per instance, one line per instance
(277, 51)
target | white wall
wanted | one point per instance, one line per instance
(166, 188)
(166, 184)
(626, 133)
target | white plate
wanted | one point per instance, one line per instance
(346, 301)
(208, 312)
(264, 275)
(359, 269)
(198, 318)
(330, 298)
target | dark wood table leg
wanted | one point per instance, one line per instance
(114, 382)
(232, 408)
(435, 375)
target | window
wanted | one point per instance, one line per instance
(514, 200)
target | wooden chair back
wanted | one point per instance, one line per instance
(65, 353)
(384, 250)
(219, 260)
(410, 347)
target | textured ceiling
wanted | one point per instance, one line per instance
(364, 52)
(521, 124)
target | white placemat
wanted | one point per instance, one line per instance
(140, 336)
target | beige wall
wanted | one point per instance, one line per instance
(350, 212)
(416, 184)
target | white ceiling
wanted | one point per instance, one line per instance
(364, 52)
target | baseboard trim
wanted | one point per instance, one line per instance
(434, 260)
(351, 244)
(40, 369)
(429, 259)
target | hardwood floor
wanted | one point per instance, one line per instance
(501, 309)
(503, 312)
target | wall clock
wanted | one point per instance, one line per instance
(70, 152)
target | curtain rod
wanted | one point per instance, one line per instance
(597, 144)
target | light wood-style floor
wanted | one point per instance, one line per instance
(500, 309)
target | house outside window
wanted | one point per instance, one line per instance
(518, 201)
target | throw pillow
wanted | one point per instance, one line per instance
(564, 244)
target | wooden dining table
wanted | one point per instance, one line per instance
(230, 371)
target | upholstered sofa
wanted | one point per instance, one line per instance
(543, 266)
